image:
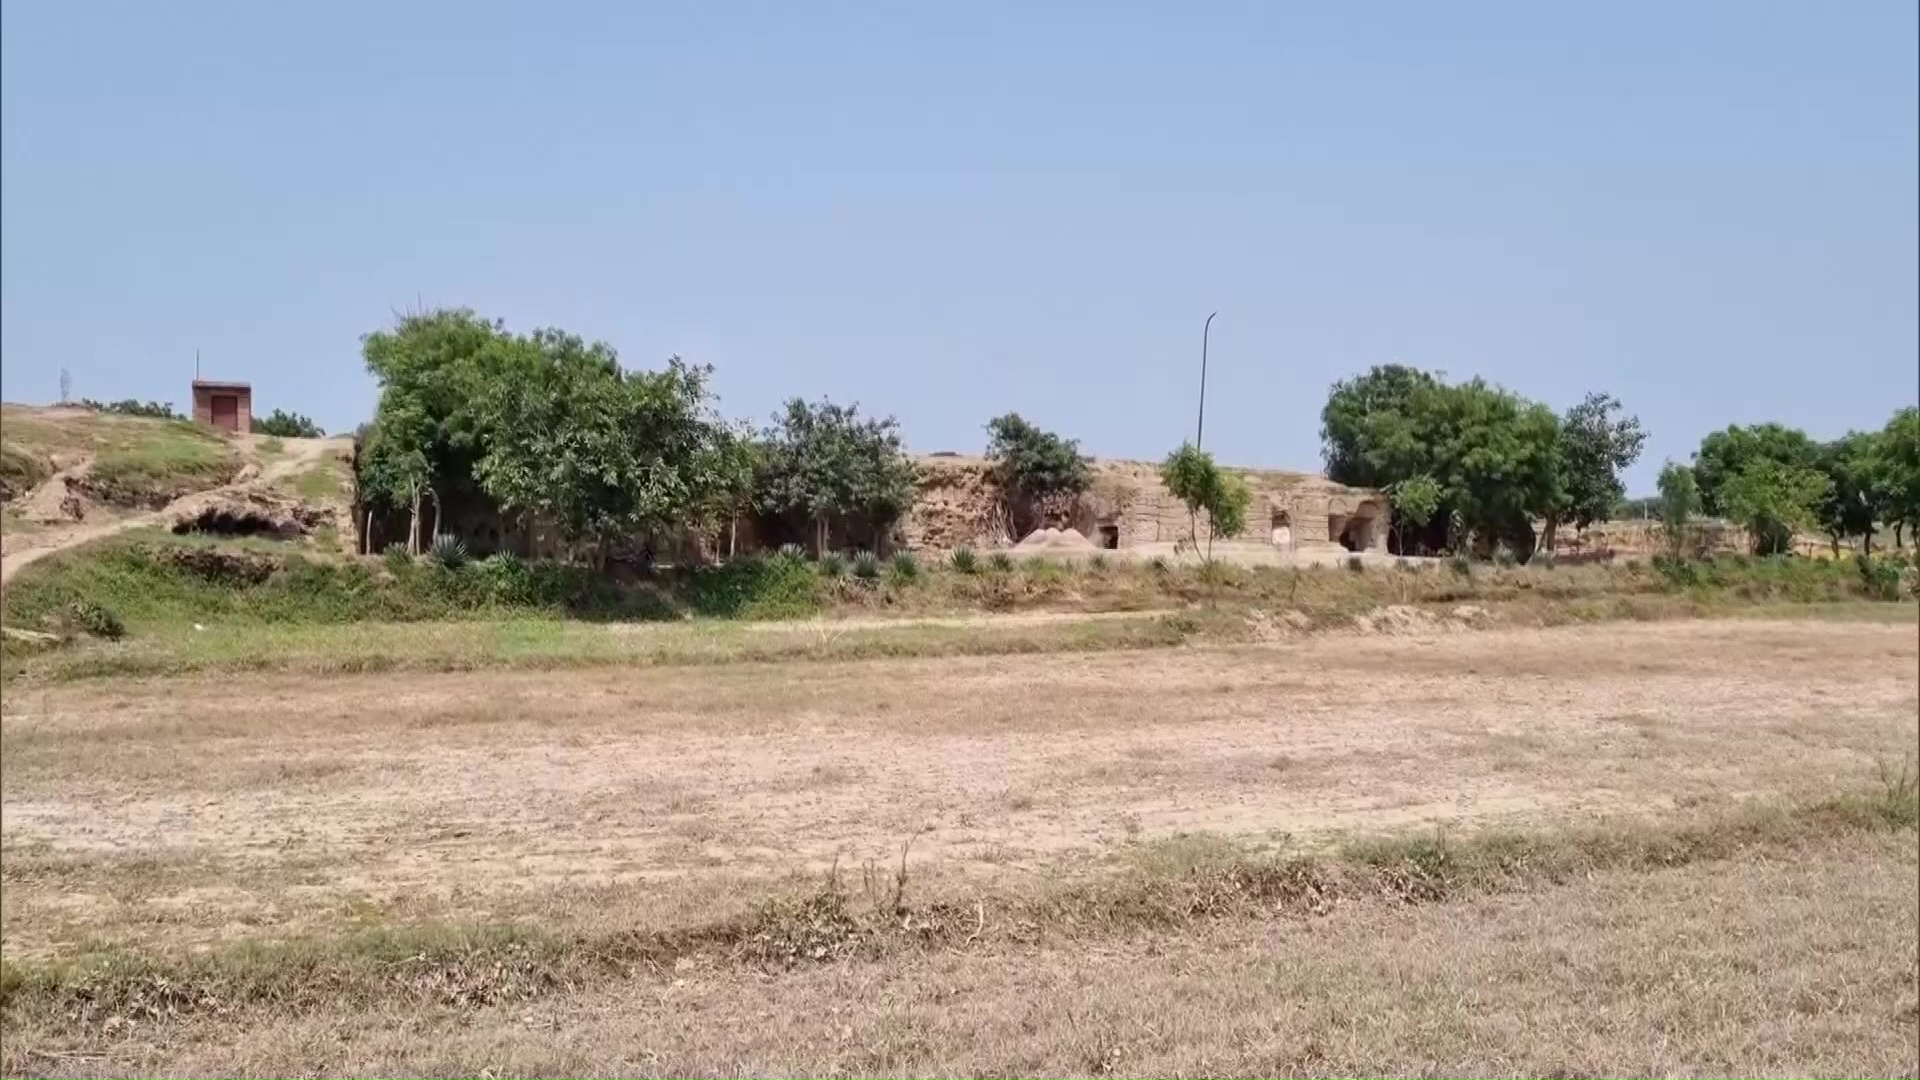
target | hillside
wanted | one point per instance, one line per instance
(70, 475)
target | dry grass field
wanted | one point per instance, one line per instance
(1105, 853)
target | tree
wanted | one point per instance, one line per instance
(1852, 505)
(1036, 470)
(1895, 472)
(434, 369)
(1679, 498)
(1595, 447)
(1494, 455)
(821, 461)
(1771, 501)
(1190, 474)
(603, 453)
(1724, 454)
(1415, 500)
(287, 426)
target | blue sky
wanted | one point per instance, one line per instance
(948, 211)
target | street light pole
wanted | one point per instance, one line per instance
(1200, 427)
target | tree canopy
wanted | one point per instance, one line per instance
(1771, 500)
(1726, 453)
(1598, 442)
(1035, 468)
(820, 461)
(287, 425)
(1493, 455)
(1679, 498)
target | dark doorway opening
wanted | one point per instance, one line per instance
(1110, 537)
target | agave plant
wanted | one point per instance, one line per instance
(1000, 562)
(832, 564)
(905, 568)
(964, 561)
(448, 551)
(866, 566)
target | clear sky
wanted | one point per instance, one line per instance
(948, 211)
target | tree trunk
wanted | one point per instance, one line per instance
(1898, 543)
(819, 536)
(1547, 532)
(1866, 542)
(733, 535)
(413, 524)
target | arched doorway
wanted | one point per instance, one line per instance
(1281, 530)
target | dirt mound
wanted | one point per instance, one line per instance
(249, 513)
(1055, 540)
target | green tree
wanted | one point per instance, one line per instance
(1895, 472)
(1191, 475)
(434, 370)
(822, 461)
(1598, 441)
(1037, 470)
(1494, 455)
(1725, 454)
(1679, 499)
(1771, 501)
(1852, 505)
(603, 453)
(287, 425)
(1415, 500)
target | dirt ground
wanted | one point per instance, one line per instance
(186, 812)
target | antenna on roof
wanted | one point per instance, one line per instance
(196, 365)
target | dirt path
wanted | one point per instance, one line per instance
(300, 455)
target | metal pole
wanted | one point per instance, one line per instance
(1200, 427)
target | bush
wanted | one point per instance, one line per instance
(1544, 560)
(866, 566)
(793, 553)
(1000, 562)
(1158, 564)
(287, 425)
(89, 617)
(754, 587)
(1504, 556)
(1879, 578)
(1678, 572)
(508, 581)
(1043, 571)
(397, 560)
(964, 561)
(906, 567)
(448, 551)
(1461, 564)
(1356, 564)
(832, 564)
(1097, 562)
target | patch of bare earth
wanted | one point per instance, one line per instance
(189, 811)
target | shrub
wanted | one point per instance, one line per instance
(1097, 563)
(905, 568)
(448, 551)
(866, 566)
(1679, 573)
(1879, 578)
(754, 587)
(397, 560)
(1044, 571)
(98, 620)
(1000, 562)
(288, 425)
(964, 561)
(832, 564)
(1544, 560)
(1504, 556)
(1158, 564)
(507, 580)
(793, 552)
(1461, 564)
(1356, 564)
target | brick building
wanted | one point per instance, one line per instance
(224, 405)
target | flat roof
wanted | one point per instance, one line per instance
(214, 384)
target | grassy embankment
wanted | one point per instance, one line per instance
(138, 463)
(193, 604)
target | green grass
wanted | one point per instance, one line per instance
(21, 469)
(138, 462)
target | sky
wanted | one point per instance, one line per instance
(945, 212)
